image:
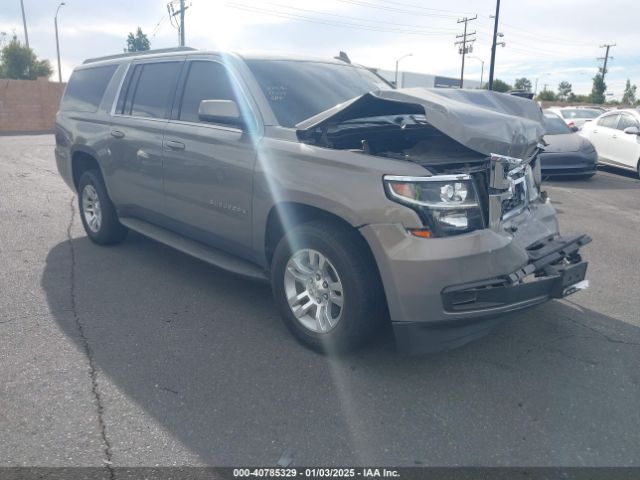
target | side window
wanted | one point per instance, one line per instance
(609, 121)
(86, 88)
(150, 90)
(626, 121)
(205, 81)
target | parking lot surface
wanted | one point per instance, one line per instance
(140, 355)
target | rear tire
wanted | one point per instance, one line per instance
(324, 272)
(97, 212)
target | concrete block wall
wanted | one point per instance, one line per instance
(29, 105)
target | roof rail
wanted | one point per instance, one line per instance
(136, 54)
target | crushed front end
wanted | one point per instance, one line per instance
(486, 239)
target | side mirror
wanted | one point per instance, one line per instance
(632, 130)
(574, 128)
(220, 111)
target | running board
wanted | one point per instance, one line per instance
(213, 256)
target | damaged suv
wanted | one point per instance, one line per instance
(360, 203)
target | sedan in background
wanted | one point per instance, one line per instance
(576, 117)
(566, 152)
(616, 137)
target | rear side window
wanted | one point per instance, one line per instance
(609, 121)
(205, 81)
(85, 89)
(149, 90)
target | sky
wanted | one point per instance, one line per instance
(547, 40)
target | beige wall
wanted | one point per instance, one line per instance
(29, 105)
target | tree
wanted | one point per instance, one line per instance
(546, 96)
(522, 84)
(599, 87)
(564, 91)
(499, 86)
(21, 63)
(629, 97)
(138, 42)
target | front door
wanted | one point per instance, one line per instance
(625, 147)
(208, 167)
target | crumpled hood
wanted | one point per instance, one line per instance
(484, 121)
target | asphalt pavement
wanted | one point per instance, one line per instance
(138, 355)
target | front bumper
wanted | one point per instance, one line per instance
(568, 164)
(554, 270)
(444, 292)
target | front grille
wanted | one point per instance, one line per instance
(519, 198)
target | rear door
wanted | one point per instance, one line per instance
(138, 120)
(208, 167)
(625, 148)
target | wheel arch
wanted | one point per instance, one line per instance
(83, 159)
(286, 215)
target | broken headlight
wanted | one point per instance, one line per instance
(447, 204)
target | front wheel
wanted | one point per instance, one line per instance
(327, 287)
(98, 214)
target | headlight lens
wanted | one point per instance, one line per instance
(447, 204)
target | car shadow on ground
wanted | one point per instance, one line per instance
(606, 178)
(205, 354)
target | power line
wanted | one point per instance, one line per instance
(383, 22)
(362, 3)
(464, 49)
(333, 23)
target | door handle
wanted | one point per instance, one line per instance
(174, 145)
(117, 133)
(614, 136)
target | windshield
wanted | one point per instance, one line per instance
(297, 90)
(555, 125)
(580, 113)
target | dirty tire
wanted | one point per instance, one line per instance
(364, 307)
(108, 230)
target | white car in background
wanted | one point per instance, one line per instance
(576, 117)
(616, 137)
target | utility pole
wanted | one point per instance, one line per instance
(493, 45)
(606, 58)
(173, 13)
(464, 49)
(24, 23)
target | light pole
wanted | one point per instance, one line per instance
(24, 23)
(55, 23)
(481, 70)
(397, 62)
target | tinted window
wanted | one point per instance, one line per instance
(579, 113)
(299, 90)
(555, 125)
(153, 86)
(609, 121)
(86, 88)
(205, 81)
(626, 121)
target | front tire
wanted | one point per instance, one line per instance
(97, 212)
(326, 287)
